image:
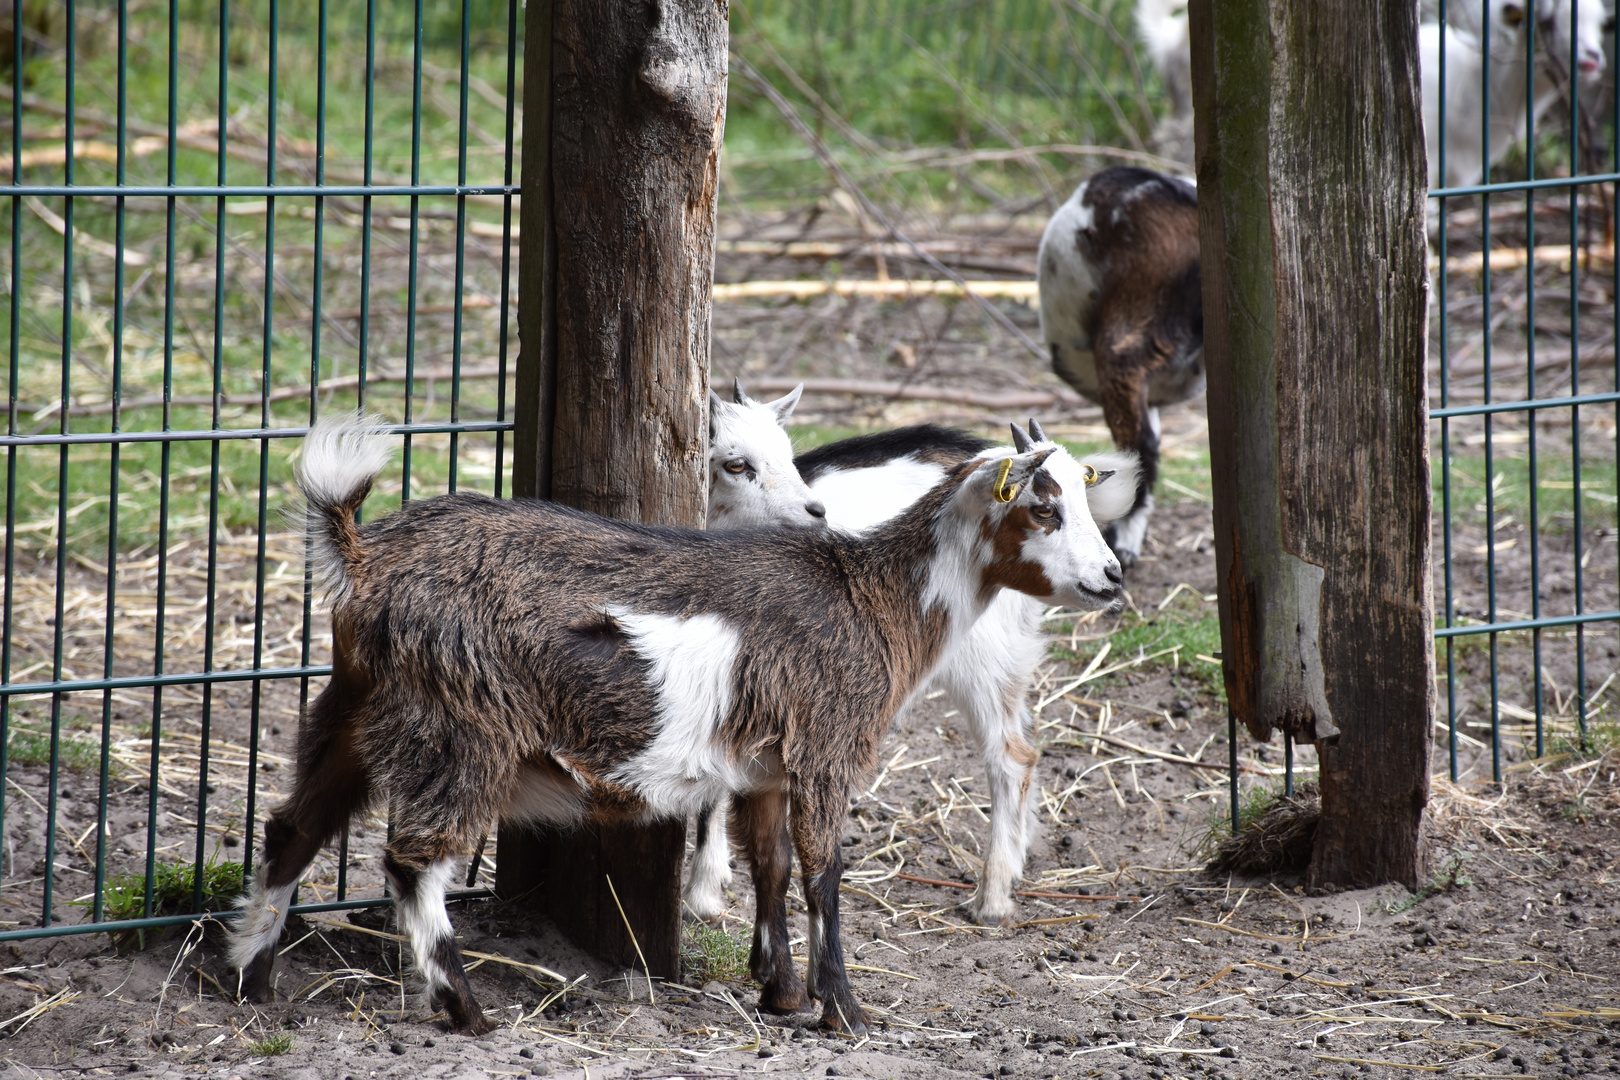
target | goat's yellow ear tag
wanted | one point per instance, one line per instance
(1003, 491)
(1092, 476)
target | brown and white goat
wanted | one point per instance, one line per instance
(522, 660)
(1123, 312)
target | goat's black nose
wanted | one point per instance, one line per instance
(815, 509)
(1115, 574)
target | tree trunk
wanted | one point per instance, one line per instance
(1311, 205)
(624, 105)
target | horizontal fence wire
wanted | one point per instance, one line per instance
(180, 587)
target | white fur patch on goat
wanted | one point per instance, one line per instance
(1068, 288)
(857, 499)
(1112, 498)
(342, 453)
(711, 870)
(264, 912)
(1130, 532)
(685, 768)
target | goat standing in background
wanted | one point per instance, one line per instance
(520, 660)
(860, 483)
(1522, 86)
(1122, 310)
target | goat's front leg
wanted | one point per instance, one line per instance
(987, 679)
(762, 821)
(1123, 382)
(418, 874)
(816, 806)
(1010, 762)
(711, 865)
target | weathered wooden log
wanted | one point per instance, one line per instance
(1311, 200)
(624, 106)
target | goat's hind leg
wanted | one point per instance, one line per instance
(420, 868)
(762, 821)
(331, 786)
(817, 806)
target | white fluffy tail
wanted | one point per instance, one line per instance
(342, 455)
(1112, 497)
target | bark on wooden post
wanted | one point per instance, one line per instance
(624, 106)
(1311, 199)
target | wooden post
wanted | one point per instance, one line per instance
(623, 106)
(1311, 206)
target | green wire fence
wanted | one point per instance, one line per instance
(213, 386)
(226, 218)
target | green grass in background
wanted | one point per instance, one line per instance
(1510, 481)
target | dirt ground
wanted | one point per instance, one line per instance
(1131, 961)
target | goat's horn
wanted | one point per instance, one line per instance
(1021, 441)
(1035, 431)
(740, 393)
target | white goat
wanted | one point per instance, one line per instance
(1522, 86)
(1162, 26)
(865, 481)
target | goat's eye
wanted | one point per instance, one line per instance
(737, 466)
(1045, 513)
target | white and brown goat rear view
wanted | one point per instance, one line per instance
(1122, 312)
(859, 483)
(521, 660)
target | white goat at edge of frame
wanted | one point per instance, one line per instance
(986, 678)
(1522, 87)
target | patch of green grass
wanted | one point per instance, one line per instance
(1509, 486)
(1598, 740)
(1179, 637)
(29, 746)
(173, 893)
(272, 1045)
(712, 953)
(913, 73)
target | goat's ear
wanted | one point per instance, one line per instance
(1021, 441)
(1111, 484)
(739, 394)
(715, 408)
(784, 405)
(1007, 476)
(1035, 431)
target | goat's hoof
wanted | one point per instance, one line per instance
(784, 1000)
(705, 909)
(462, 1013)
(846, 1020)
(472, 1026)
(256, 983)
(992, 907)
(993, 914)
